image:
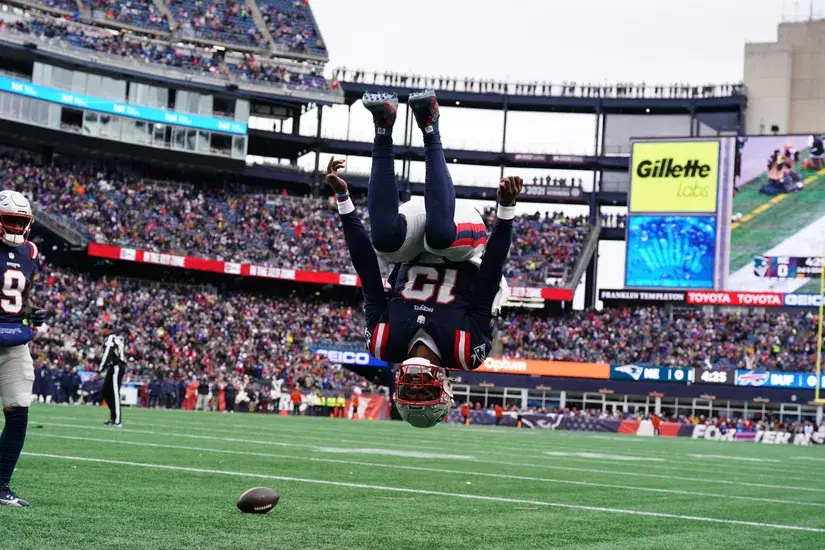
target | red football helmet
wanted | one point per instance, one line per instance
(423, 394)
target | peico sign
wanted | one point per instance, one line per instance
(802, 300)
(349, 357)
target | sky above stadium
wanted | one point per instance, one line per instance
(585, 41)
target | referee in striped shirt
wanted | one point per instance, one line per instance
(114, 363)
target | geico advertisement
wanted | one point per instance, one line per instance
(349, 357)
(674, 176)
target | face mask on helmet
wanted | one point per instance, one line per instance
(423, 395)
(15, 228)
(15, 218)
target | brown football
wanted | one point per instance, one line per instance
(258, 500)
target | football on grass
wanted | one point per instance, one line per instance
(259, 500)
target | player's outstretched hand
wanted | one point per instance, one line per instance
(509, 189)
(333, 179)
(36, 316)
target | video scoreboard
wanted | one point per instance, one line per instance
(787, 267)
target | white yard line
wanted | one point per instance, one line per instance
(536, 451)
(464, 496)
(540, 440)
(315, 448)
(438, 470)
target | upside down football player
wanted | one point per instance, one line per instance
(443, 295)
(18, 262)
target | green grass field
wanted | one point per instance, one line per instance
(170, 479)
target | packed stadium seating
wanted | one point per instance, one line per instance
(228, 22)
(292, 25)
(234, 224)
(648, 335)
(545, 247)
(65, 5)
(138, 13)
(187, 329)
(180, 55)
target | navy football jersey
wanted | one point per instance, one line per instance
(450, 301)
(19, 270)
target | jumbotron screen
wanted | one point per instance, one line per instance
(778, 214)
(732, 213)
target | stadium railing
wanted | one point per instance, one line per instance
(623, 90)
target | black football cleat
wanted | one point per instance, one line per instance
(425, 108)
(10, 498)
(384, 109)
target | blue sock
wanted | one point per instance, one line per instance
(11, 442)
(439, 195)
(388, 228)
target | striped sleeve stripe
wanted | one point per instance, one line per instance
(35, 252)
(470, 234)
(461, 349)
(378, 343)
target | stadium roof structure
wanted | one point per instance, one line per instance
(565, 97)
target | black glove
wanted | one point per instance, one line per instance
(37, 317)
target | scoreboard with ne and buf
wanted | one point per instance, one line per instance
(787, 267)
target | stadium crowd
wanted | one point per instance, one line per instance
(650, 335)
(227, 22)
(119, 207)
(177, 334)
(65, 5)
(137, 13)
(145, 49)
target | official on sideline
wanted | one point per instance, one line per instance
(114, 363)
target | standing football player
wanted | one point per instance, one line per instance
(443, 295)
(114, 363)
(18, 319)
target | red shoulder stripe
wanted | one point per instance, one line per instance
(35, 252)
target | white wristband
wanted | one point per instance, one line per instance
(506, 212)
(346, 207)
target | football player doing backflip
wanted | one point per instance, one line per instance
(447, 277)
